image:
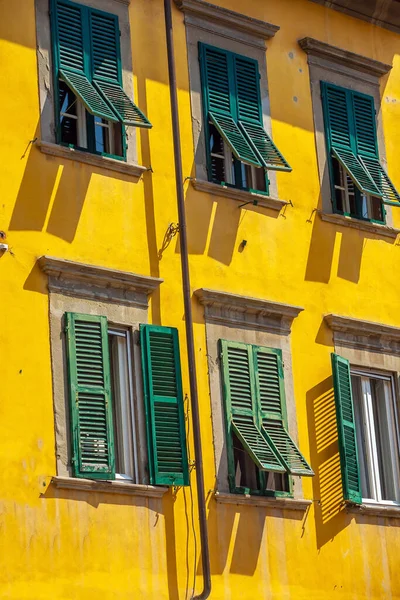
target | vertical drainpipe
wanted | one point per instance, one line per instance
(201, 501)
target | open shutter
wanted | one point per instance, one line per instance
(341, 136)
(106, 69)
(217, 78)
(168, 463)
(249, 114)
(367, 146)
(239, 390)
(346, 429)
(90, 396)
(271, 398)
(72, 57)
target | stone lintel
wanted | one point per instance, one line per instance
(315, 48)
(233, 309)
(101, 283)
(227, 18)
(364, 335)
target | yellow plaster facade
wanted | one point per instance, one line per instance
(65, 544)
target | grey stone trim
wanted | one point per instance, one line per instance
(109, 487)
(374, 510)
(100, 283)
(364, 335)
(314, 47)
(376, 11)
(263, 501)
(102, 162)
(382, 230)
(232, 309)
(238, 195)
(226, 18)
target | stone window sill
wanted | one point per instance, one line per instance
(263, 501)
(239, 195)
(382, 230)
(102, 162)
(375, 510)
(109, 487)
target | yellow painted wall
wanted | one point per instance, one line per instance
(80, 545)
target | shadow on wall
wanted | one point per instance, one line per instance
(322, 245)
(52, 193)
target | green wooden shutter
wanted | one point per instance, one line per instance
(341, 136)
(106, 68)
(367, 147)
(249, 114)
(350, 126)
(346, 429)
(71, 35)
(218, 90)
(90, 396)
(168, 463)
(272, 406)
(239, 395)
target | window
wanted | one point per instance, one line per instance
(103, 416)
(261, 453)
(368, 433)
(91, 107)
(239, 151)
(359, 186)
(377, 440)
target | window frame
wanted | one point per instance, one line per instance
(262, 476)
(228, 155)
(90, 127)
(372, 465)
(117, 330)
(358, 195)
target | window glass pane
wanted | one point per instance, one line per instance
(385, 434)
(121, 404)
(276, 481)
(102, 135)
(364, 206)
(259, 179)
(364, 459)
(376, 209)
(246, 472)
(218, 173)
(68, 115)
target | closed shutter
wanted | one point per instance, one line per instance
(350, 127)
(271, 398)
(249, 114)
(240, 405)
(106, 69)
(168, 463)
(72, 56)
(90, 396)
(346, 429)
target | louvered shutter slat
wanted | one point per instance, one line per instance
(90, 396)
(271, 394)
(271, 157)
(107, 71)
(235, 139)
(354, 167)
(168, 464)
(364, 123)
(382, 180)
(70, 36)
(88, 95)
(346, 429)
(249, 114)
(240, 406)
(215, 80)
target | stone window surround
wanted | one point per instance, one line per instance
(237, 33)
(374, 347)
(352, 71)
(123, 298)
(254, 321)
(46, 86)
